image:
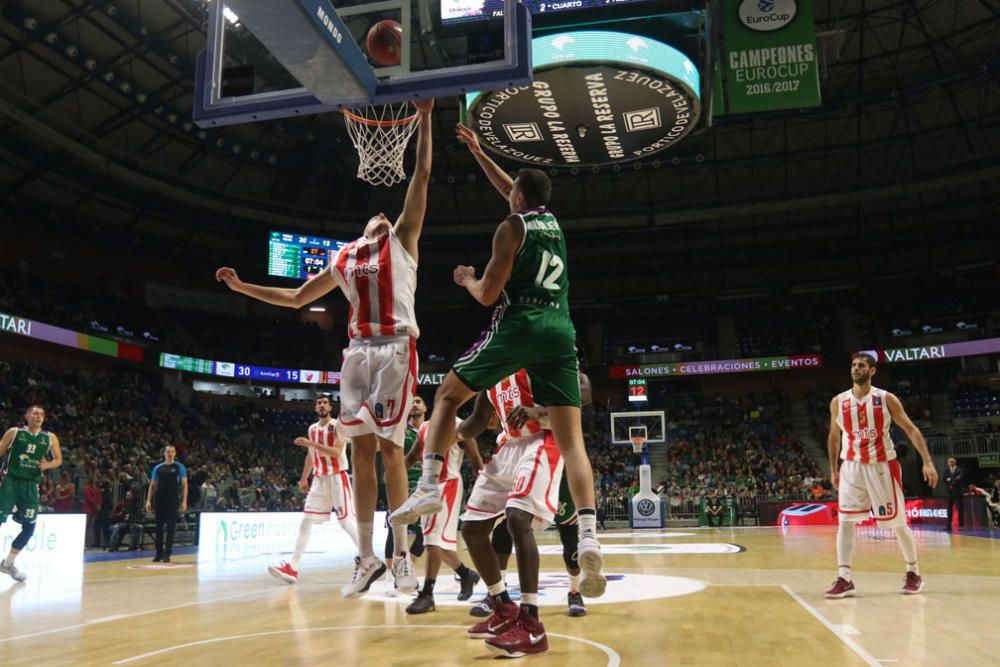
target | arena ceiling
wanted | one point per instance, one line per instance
(95, 130)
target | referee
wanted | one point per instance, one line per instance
(168, 476)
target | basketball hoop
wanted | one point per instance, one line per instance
(637, 442)
(381, 134)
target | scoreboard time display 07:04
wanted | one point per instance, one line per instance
(637, 390)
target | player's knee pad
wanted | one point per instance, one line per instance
(503, 544)
(21, 541)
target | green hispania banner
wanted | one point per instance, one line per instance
(769, 55)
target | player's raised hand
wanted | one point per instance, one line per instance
(930, 474)
(228, 276)
(468, 137)
(424, 106)
(302, 442)
(463, 274)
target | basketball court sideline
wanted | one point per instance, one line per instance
(685, 595)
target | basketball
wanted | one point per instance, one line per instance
(384, 42)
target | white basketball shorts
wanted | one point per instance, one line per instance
(523, 474)
(441, 529)
(330, 493)
(377, 383)
(875, 488)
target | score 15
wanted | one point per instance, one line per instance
(637, 390)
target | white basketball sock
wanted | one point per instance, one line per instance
(574, 583)
(365, 530)
(350, 527)
(908, 546)
(431, 469)
(587, 522)
(497, 588)
(845, 549)
(400, 541)
(301, 543)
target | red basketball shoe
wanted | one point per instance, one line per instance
(842, 588)
(504, 616)
(525, 637)
(914, 584)
(284, 572)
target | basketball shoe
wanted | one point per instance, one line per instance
(504, 615)
(914, 584)
(284, 572)
(365, 572)
(425, 499)
(575, 603)
(468, 583)
(588, 553)
(842, 588)
(402, 572)
(525, 637)
(14, 573)
(482, 608)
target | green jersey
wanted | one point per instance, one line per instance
(25, 455)
(539, 278)
(411, 438)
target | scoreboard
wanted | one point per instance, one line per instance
(300, 256)
(637, 390)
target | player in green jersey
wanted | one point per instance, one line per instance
(527, 278)
(26, 448)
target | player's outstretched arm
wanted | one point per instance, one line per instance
(323, 283)
(410, 222)
(916, 437)
(497, 176)
(506, 243)
(473, 425)
(335, 451)
(833, 444)
(56, 455)
(7, 439)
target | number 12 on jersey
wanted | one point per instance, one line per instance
(546, 278)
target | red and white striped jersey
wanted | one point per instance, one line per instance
(864, 426)
(323, 464)
(452, 468)
(379, 279)
(511, 392)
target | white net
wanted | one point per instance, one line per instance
(380, 134)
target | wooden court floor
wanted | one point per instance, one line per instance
(677, 597)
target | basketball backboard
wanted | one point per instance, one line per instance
(267, 59)
(652, 424)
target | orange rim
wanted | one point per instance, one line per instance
(378, 123)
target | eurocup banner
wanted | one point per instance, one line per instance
(769, 58)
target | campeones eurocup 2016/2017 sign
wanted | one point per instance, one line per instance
(598, 97)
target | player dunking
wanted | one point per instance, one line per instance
(870, 480)
(441, 529)
(531, 329)
(330, 489)
(378, 275)
(26, 448)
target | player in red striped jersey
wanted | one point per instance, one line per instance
(441, 529)
(870, 479)
(330, 490)
(521, 483)
(378, 275)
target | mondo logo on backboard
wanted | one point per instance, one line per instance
(598, 97)
(767, 15)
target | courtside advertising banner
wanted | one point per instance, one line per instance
(719, 366)
(58, 538)
(234, 536)
(769, 58)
